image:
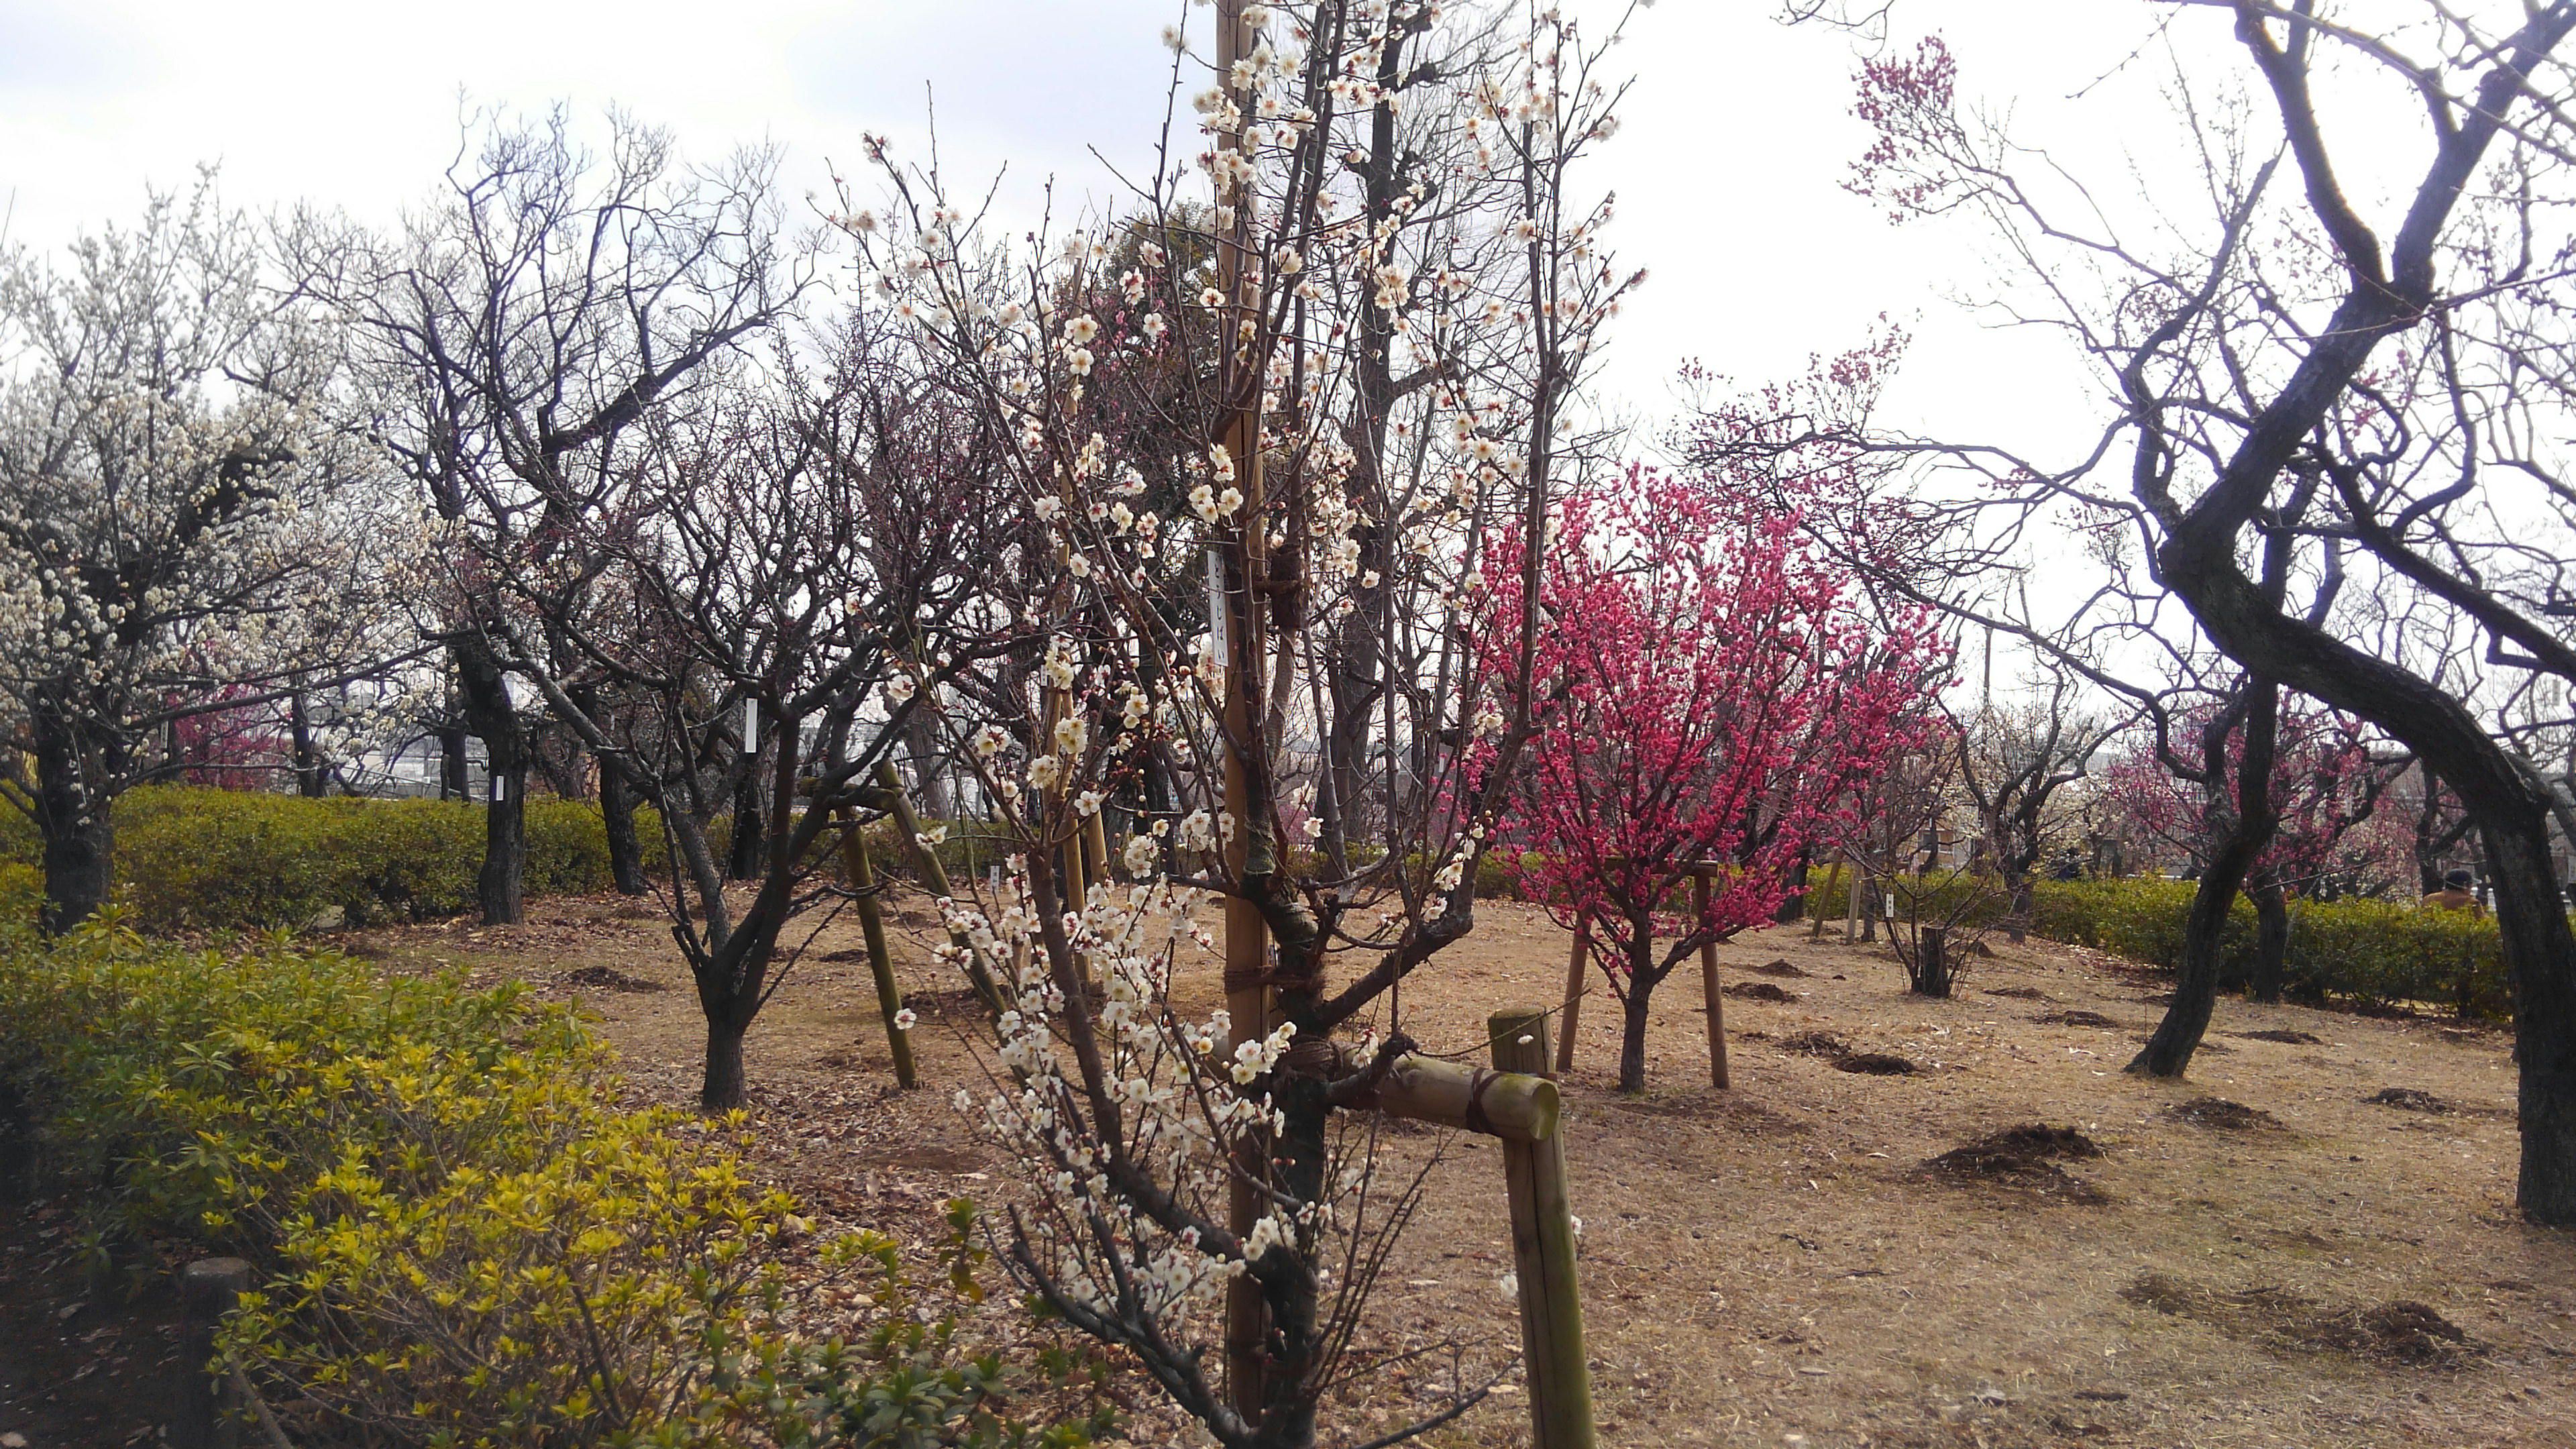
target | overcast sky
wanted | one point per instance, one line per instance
(1728, 171)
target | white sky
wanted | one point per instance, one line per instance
(1728, 170)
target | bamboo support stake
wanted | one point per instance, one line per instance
(1574, 983)
(1816, 932)
(1708, 988)
(925, 863)
(1095, 851)
(863, 884)
(1560, 1378)
(1515, 1105)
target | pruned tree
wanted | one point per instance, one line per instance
(513, 336)
(770, 557)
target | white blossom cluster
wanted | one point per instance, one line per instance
(1406, 320)
(182, 518)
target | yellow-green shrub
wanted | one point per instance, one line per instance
(457, 1239)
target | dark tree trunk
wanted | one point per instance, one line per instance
(1928, 973)
(311, 781)
(930, 788)
(2246, 826)
(1632, 1037)
(1794, 904)
(617, 818)
(2512, 815)
(721, 1089)
(742, 860)
(452, 782)
(2271, 936)
(1641, 989)
(74, 819)
(2017, 890)
(501, 886)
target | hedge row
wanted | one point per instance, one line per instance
(2365, 952)
(456, 1241)
(197, 859)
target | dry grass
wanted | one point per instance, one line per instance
(1777, 1264)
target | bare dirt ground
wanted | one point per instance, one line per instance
(1776, 1264)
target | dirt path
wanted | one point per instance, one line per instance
(82, 1363)
(1772, 1265)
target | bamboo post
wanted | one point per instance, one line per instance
(1708, 988)
(1575, 979)
(1832, 879)
(1514, 1106)
(925, 863)
(1560, 1379)
(863, 885)
(208, 1414)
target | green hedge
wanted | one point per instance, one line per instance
(456, 1239)
(2369, 953)
(192, 858)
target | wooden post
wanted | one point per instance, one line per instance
(1576, 978)
(1708, 988)
(1560, 1378)
(863, 883)
(208, 1413)
(925, 863)
(1816, 932)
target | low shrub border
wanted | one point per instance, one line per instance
(2368, 953)
(194, 858)
(456, 1240)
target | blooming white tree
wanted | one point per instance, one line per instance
(182, 528)
(1256, 431)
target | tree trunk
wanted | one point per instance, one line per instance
(2249, 827)
(2539, 950)
(721, 1090)
(617, 817)
(1928, 974)
(451, 762)
(485, 690)
(75, 821)
(2271, 936)
(501, 887)
(930, 787)
(1632, 1037)
(1794, 903)
(742, 860)
(310, 781)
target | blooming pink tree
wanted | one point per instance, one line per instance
(1715, 693)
